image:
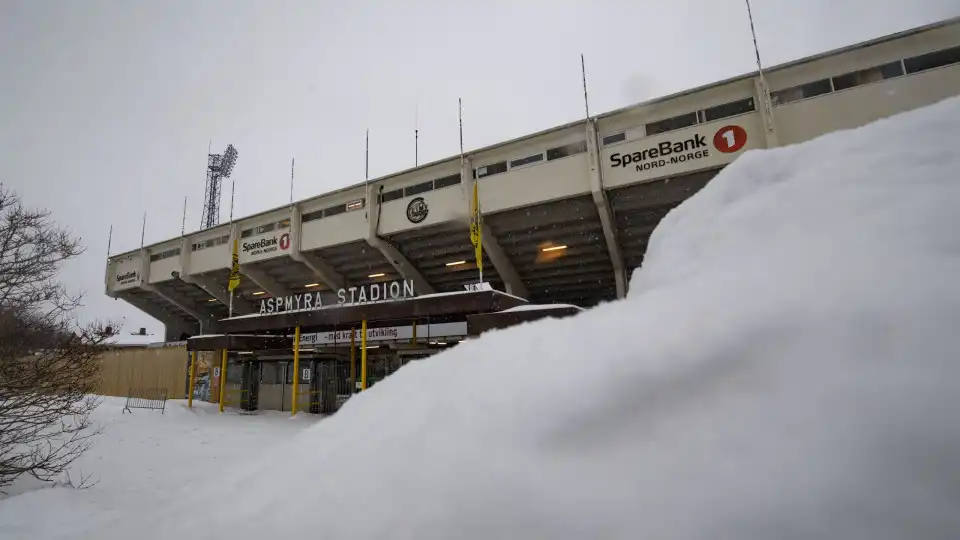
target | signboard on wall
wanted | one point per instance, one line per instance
(364, 294)
(387, 333)
(125, 274)
(264, 246)
(678, 152)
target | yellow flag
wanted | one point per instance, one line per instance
(476, 237)
(235, 267)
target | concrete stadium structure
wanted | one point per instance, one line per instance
(567, 212)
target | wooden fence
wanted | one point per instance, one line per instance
(158, 368)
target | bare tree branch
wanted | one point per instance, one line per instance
(49, 366)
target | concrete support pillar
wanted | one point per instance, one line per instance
(392, 254)
(604, 211)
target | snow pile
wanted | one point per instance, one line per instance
(140, 462)
(785, 367)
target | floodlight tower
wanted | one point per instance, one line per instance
(219, 166)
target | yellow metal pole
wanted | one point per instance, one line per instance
(413, 340)
(223, 377)
(353, 360)
(296, 371)
(363, 355)
(193, 378)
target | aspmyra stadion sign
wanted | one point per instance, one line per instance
(372, 293)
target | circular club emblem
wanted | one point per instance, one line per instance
(285, 241)
(729, 139)
(417, 210)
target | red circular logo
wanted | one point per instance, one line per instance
(284, 241)
(729, 139)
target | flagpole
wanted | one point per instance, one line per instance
(475, 225)
(583, 71)
(233, 190)
(764, 89)
(416, 136)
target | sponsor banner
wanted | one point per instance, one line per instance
(125, 274)
(425, 332)
(670, 154)
(264, 246)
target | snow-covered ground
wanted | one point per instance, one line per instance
(785, 367)
(141, 462)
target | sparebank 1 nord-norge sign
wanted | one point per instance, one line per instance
(265, 246)
(375, 292)
(676, 152)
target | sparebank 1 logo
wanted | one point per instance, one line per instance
(729, 139)
(284, 241)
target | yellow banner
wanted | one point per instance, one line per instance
(235, 267)
(475, 227)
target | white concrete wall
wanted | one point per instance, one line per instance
(803, 120)
(443, 205)
(334, 230)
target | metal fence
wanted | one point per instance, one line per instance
(146, 398)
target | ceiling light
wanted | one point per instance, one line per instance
(212, 300)
(455, 263)
(554, 248)
(308, 285)
(258, 293)
(381, 274)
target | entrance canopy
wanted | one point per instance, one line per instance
(479, 311)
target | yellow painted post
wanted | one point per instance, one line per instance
(223, 377)
(363, 355)
(413, 340)
(296, 372)
(353, 360)
(193, 378)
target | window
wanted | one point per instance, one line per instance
(246, 233)
(796, 93)
(266, 228)
(866, 76)
(671, 124)
(418, 189)
(492, 169)
(728, 109)
(391, 195)
(446, 181)
(611, 139)
(155, 257)
(312, 216)
(334, 210)
(566, 150)
(932, 60)
(526, 160)
(356, 205)
(283, 223)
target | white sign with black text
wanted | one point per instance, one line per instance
(387, 333)
(364, 294)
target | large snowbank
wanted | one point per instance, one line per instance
(139, 463)
(784, 367)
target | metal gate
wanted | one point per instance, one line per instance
(330, 386)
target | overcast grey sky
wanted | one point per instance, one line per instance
(107, 107)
